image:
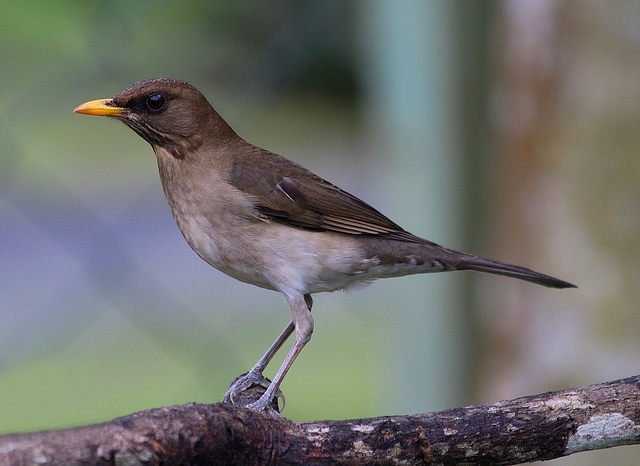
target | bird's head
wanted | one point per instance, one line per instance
(167, 113)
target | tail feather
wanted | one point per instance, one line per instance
(499, 268)
(418, 255)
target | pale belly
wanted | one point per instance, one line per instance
(279, 257)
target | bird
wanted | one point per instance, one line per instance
(266, 220)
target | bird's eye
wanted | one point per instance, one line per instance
(156, 101)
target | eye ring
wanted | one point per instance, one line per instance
(156, 101)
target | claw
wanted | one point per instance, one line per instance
(244, 383)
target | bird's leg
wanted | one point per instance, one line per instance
(254, 376)
(301, 310)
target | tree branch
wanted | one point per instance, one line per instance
(507, 432)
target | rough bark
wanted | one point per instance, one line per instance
(531, 428)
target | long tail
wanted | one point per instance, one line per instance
(422, 256)
(499, 268)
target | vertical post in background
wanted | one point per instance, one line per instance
(408, 56)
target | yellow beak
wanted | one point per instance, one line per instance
(100, 107)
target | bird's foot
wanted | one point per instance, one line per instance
(248, 390)
(264, 403)
(243, 383)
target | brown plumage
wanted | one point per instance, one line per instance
(268, 221)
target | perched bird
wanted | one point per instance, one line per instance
(266, 220)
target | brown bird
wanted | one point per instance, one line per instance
(266, 220)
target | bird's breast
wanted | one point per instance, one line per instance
(222, 225)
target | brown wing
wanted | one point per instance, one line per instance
(289, 193)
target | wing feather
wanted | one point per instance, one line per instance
(288, 193)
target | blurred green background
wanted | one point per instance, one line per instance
(509, 129)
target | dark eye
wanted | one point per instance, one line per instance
(156, 101)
